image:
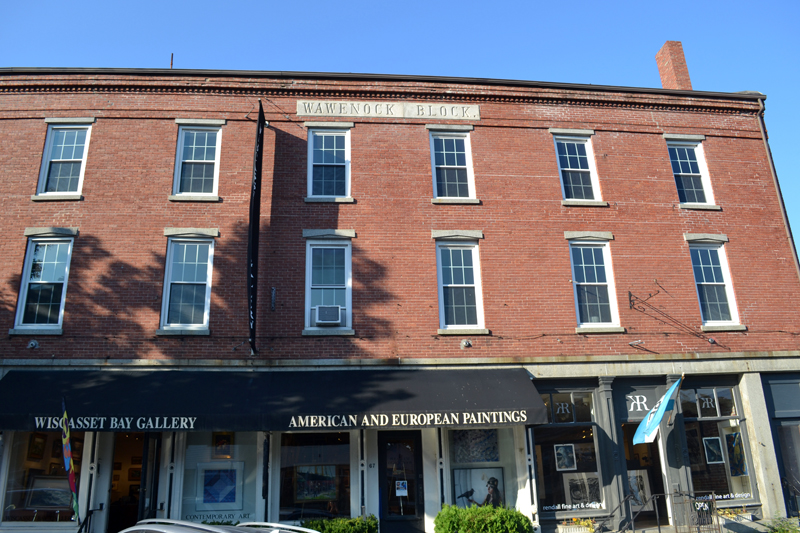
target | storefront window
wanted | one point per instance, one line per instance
(716, 443)
(219, 480)
(566, 458)
(38, 486)
(483, 467)
(315, 475)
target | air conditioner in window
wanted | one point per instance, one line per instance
(329, 315)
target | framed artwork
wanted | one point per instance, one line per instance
(583, 489)
(639, 486)
(36, 446)
(115, 477)
(219, 486)
(136, 460)
(115, 486)
(713, 446)
(134, 474)
(222, 445)
(565, 457)
(58, 449)
(57, 469)
(117, 466)
(472, 484)
(48, 492)
(77, 449)
(315, 483)
(475, 446)
(738, 465)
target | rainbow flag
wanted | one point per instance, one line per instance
(68, 465)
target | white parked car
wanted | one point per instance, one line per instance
(156, 525)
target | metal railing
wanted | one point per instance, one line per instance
(631, 499)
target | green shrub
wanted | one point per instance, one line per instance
(361, 524)
(783, 525)
(486, 519)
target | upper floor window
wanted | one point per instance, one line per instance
(44, 284)
(690, 171)
(595, 297)
(64, 160)
(451, 160)
(576, 164)
(187, 287)
(329, 162)
(329, 296)
(712, 279)
(197, 161)
(460, 298)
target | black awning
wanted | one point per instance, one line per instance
(193, 400)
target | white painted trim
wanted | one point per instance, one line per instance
(467, 155)
(727, 280)
(612, 291)
(476, 264)
(702, 166)
(184, 328)
(176, 182)
(335, 129)
(72, 124)
(586, 140)
(348, 286)
(23, 291)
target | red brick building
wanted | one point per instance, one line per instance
(428, 246)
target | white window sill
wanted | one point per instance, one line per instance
(56, 197)
(599, 329)
(701, 207)
(584, 203)
(36, 331)
(729, 327)
(192, 198)
(464, 331)
(455, 200)
(329, 200)
(170, 331)
(328, 332)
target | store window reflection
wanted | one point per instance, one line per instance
(315, 475)
(38, 488)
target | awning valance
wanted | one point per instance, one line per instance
(274, 400)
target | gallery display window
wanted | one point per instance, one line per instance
(717, 443)
(483, 467)
(37, 487)
(314, 476)
(219, 479)
(568, 472)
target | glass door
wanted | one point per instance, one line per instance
(401, 490)
(789, 442)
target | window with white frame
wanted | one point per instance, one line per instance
(187, 289)
(329, 163)
(460, 298)
(576, 165)
(595, 296)
(451, 160)
(64, 160)
(691, 173)
(329, 296)
(712, 279)
(44, 284)
(197, 161)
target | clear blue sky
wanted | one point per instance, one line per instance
(730, 45)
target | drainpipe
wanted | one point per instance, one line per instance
(774, 173)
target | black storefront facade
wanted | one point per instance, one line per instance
(286, 445)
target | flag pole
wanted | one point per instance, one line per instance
(677, 395)
(69, 466)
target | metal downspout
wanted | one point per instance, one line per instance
(774, 173)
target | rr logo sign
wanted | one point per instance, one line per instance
(562, 408)
(638, 403)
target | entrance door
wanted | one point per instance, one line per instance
(645, 478)
(789, 439)
(134, 479)
(400, 476)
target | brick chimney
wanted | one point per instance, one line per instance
(672, 67)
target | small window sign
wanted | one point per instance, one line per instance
(401, 488)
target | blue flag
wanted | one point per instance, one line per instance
(648, 429)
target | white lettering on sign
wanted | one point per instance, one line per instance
(638, 402)
(317, 108)
(410, 419)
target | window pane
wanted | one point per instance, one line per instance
(688, 403)
(707, 402)
(459, 306)
(717, 456)
(583, 406)
(562, 407)
(314, 475)
(569, 478)
(727, 407)
(43, 303)
(187, 304)
(548, 407)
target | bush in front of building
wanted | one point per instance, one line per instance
(783, 525)
(362, 524)
(487, 519)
